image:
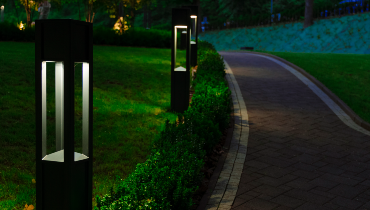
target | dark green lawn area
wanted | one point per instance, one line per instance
(131, 103)
(346, 75)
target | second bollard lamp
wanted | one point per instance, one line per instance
(194, 29)
(180, 76)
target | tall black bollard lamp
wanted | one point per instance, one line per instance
(64, 178)
(180, 76)
(194, 29)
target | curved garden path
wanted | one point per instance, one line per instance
(292, 147)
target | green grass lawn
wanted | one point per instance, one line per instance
(131, 103)
(346, 75)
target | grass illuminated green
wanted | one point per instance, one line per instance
(346, 75)
(131, 103)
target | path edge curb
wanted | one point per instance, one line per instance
(216, 173)
(328, 92)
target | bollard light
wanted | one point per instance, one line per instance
(180, 76)
(64, 177)
(2, 13)
(194, 29)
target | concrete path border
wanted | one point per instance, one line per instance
(227, 184)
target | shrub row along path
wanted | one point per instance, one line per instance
(302, 150)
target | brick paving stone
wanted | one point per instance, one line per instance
(287, 201)
(269, 190)
(311, 206)
(304, 166)
(306, 158)
(256, 164)
(324, 183)
(331, 170)
(276, 181)
(334, 161)
(347, 203)
(270, 152)
(283, 208)
(300, 155)
(347, 191)
(307, 196)
(341, 179)
(239, 201)
(243, 188)
(257, 204)
(306, 174)
(366, 205)
(319, 164)
(331, 206)
(253, 193)
(366, 183)
(274, 171)
(353, 167)
(301, 183)
(279, 161)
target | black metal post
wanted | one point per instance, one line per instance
(180, 76)
(64, 178)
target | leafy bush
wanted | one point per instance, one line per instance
(10, 32)
(139, 37)
(166, 27)
(171, 173)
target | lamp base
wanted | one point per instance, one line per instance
(59, 156)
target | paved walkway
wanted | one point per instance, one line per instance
(292, 146)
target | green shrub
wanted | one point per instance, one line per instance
(165, 27)
(10, 32)
(138, 37)
(171, 173)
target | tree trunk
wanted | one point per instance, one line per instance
(28, 19)
(89, 12)
(308, 16)
(133, 14)
(92, 19)
(28, 12)
(145, 15)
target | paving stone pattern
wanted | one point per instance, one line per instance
(300, 154)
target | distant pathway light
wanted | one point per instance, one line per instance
(2, 13)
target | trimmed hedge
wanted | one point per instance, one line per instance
(139, 37)
(171, 173)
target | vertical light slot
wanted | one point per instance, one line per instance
(175, 47)
(59, 105)
(175, 50)
(85, 108)
(43, 107)
(194, 17)
(189, 43)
